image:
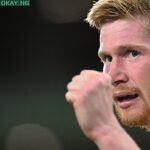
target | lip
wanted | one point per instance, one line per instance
(127, 104)
(124, 104)
(121, 94)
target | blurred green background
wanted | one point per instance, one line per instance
(39, 56)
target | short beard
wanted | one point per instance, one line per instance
(141, 119)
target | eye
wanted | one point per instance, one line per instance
(107, 59)
(133, 53)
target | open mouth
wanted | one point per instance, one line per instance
(126, 100)
(126, 97)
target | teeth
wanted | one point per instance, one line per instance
(127, 97)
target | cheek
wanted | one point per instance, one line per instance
(141, 76)
(144, 76)
(139, 70)
(143, 72)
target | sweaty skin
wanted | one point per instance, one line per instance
(124, 45)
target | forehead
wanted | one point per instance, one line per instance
(122, 32)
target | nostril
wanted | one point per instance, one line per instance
(117, 82)
(119, 78)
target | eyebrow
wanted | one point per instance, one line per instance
(121, 49)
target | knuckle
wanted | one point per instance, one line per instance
(75, 77)
(85, 71)
(69, 85)
(68, 97)
(103, 80)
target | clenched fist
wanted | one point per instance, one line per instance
(90, 93)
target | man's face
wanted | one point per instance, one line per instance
(125, 51)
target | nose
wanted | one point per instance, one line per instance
(118, 72)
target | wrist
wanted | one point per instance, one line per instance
(113, 136)
(104, 131)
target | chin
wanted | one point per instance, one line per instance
(134, 117)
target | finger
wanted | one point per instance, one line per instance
(85, 72)
(78, 78)
(76, 86)
(70, 97)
